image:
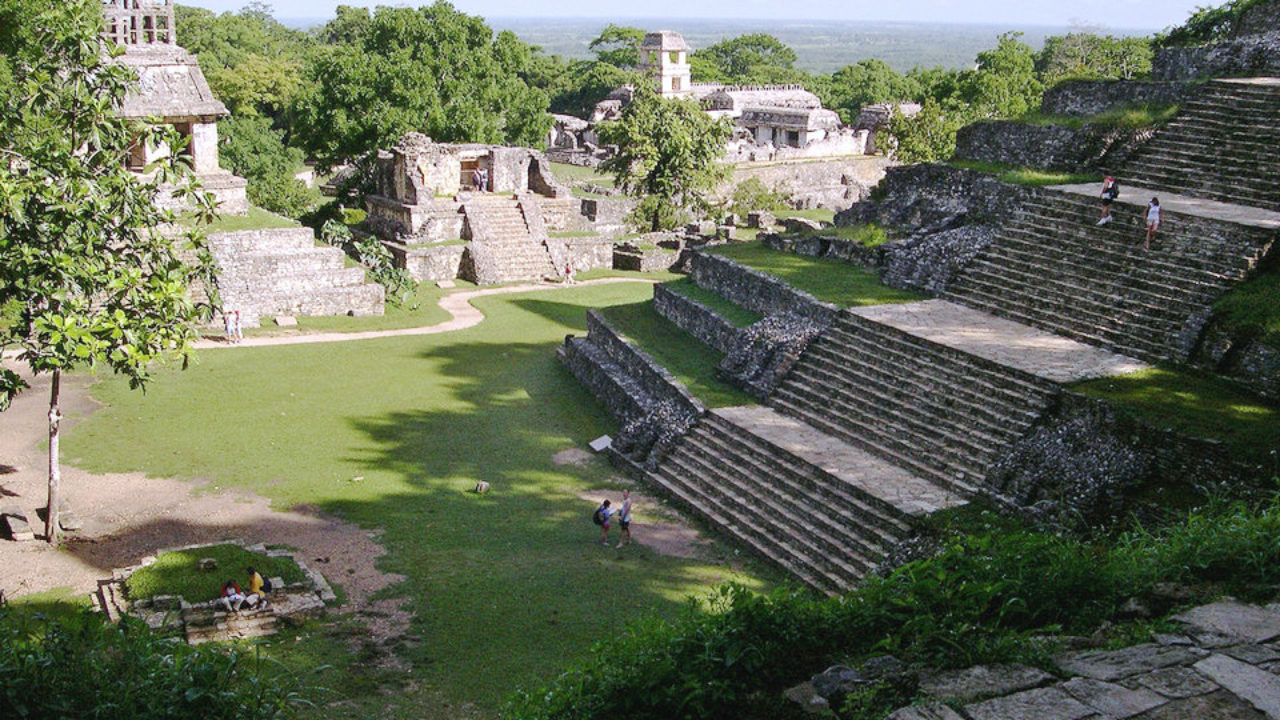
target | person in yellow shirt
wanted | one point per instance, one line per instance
(256, 597)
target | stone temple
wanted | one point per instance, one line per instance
(172, 90)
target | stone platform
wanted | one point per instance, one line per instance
(1132, 192)
(1022, 347)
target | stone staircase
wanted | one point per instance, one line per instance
(1054, 268)
(283, 272)
(940, 413)
(502, 248)
(1224, 145)
(808, 502)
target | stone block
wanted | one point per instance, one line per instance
(1220, 705)
(600, 444)
(932, 711)
(15, 522)
(286, 321)
(1259, 688)
(1249, 623)
(1176, 682)
(1043, 704)
(1112, 700)
(983, 681)
(445, 284)
(1117, 664)
(1253, 654)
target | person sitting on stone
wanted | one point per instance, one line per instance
(257, 597)
(231, 598)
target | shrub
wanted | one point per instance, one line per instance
(81, 666)
(752, 194)
(370, 252)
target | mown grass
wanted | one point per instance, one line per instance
(828, 280)
(392, 434)
(729, 310)
(815, 214)
(1130, 117)
(256, 219)
(577, 175)
(869, 235)
(1195, 404)
(1254, 307)
(683, 355)
(179, 573)
(1029, 177)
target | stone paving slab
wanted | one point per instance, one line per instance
(1259, 687)
(1044, 704)
(983, 681)
(1220, 705)
(1176, 682)
(868, 473)
(932, 711)
(1132, 193)
(1113, 701)
(1022, 347)
(1117, 664)
(1249, 623)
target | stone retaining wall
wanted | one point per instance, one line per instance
(835, 184)
(608, 214)
(1249, 56)
(429, 263)
(659, 384)
(756, 291)
(1242, 358)
(826, 246)
(1082, 98)
(1048, 147)
(588, 253)
(700, 321)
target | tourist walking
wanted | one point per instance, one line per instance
(1153, 221)
(237, 331)
(568, 274)
(624, 520)
(477, 180)
(1110, 191)
(601, 517)
(228, 325)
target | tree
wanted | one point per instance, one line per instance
(928, 136)
(92, 279)
(1091, 56)
(758, 58)
(1005, 83)
(432, 70)
(668, 155)
(619, 46)
(574, 87)
(853, 87)
(254, 150)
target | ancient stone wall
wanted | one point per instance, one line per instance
(1242, 358)
(700, 321)
(589, 253)
(834, 184)
(1082, 98)
(429, 263)
(756, 291)
(620, 395)
(608, 214)
(1250, 56)
(826, 246)
(1261, 18)
(1048, 147)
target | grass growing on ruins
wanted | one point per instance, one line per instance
(816, 214)
(1254, 307)
(683, 355)
(179, 573)
(577, 174)
(1030, 177)
(256, 219)
(392, 434)
(729, 310)
(1195, 404)
(1128, 117)
(828, 280)
(869, 235)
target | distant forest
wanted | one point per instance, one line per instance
(821, 47)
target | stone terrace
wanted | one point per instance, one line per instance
(1225, 145)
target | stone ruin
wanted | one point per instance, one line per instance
(171, 89)
(440, 224)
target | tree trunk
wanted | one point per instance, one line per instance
(55, 470)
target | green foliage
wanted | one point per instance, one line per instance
(1253, 308)
(618, 46)
(928, 136)
(370, 252)
(828, 280)
(574, 87)
(179, 573)
(80, 250)
(1208, 24)
(1127, 117)
(255, 151)
(978, 601)
(1195, 404)
(1005, 82)
(668, 156)
(869, 81)
(1084, 55)
(758, 58)
(433, 70)
(752, 194)
(731, 311)
(1030, 177)
(82, 666)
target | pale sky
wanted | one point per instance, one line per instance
(1013, 14)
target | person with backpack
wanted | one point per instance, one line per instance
(1110, 191)
(601, 517)
(258, 589)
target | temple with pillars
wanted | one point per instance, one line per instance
(171, 90)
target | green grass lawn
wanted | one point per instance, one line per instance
(1195, 404)
(505, 588)
(1254, 306)
(1030, 177)
(577, 174)
(869, 235)
(683, 355)
(828, 280)
(256, 219)
(1129, 117)
(179, 573)
(731, 311)
(815, 214)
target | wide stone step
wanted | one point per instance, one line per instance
(808, 531)
(775, 550)
(955, 480)
(1208, 176)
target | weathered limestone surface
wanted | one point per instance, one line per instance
(754, 290)
(983, 681)
(1247, 56)
(1050, 147)
(1082, 98)
(836, 183)
(693, 317)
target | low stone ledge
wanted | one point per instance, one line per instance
(700, 321)
(1248, 56)
(660, 384)
(1083, 98)
(756, 291)
(1048, 147)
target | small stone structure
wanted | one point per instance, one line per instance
(206, 621)
(429, 211)
(172, 89)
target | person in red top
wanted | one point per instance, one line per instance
(231, 598)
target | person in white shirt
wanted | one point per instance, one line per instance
(624, 519)
(1153, 221)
